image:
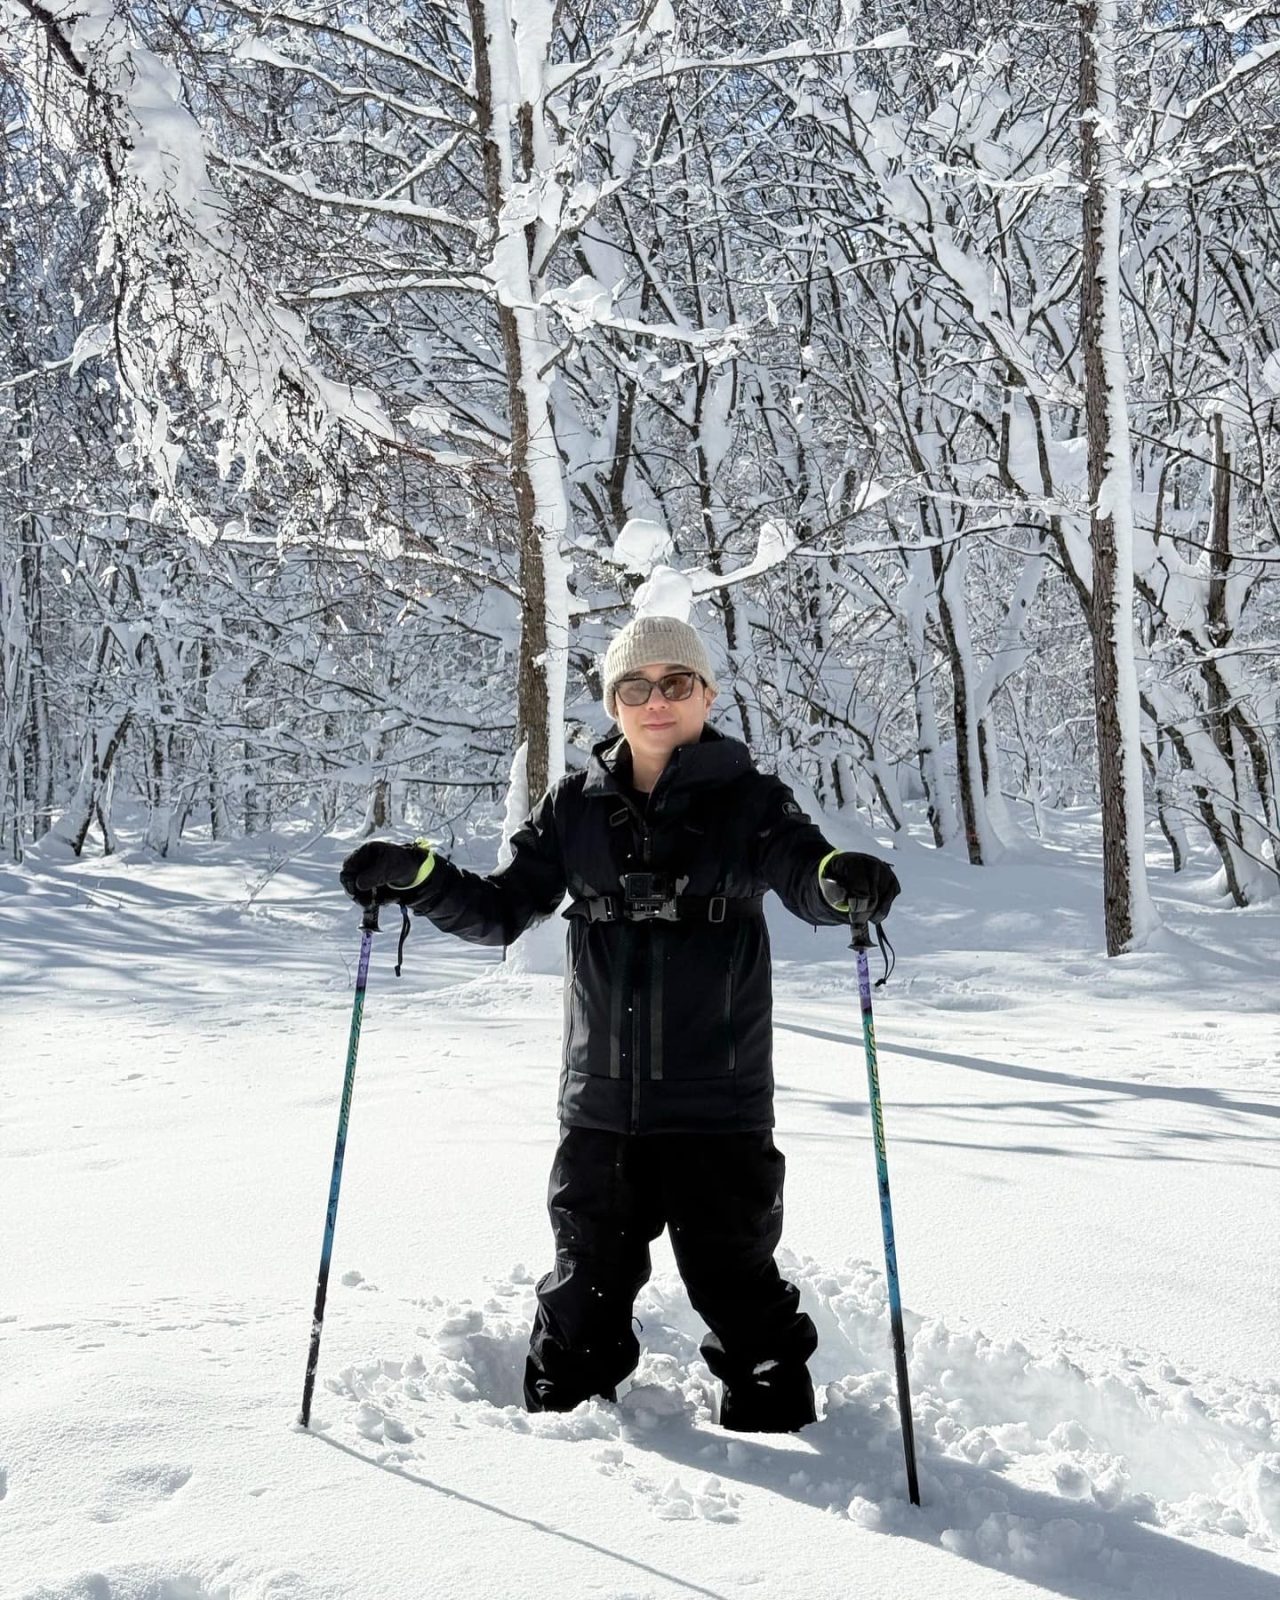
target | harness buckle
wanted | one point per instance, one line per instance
(603, 908)
(716, 908)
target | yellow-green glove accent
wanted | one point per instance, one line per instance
(424, 871)
(830, 855)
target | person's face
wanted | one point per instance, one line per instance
(660, 726)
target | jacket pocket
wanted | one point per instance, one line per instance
(595, 1002)
(570, 1008)
(699, 1000)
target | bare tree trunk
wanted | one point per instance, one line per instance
(41, 789)
(942, 822)
(510, 132)
(26, 704)
(1219, 626)
(14, 677)
(160, 819)
(1010, 656)
(219, 820)
(979, 838)
(377, 816)
(1234, 736)
(1170, 823)
(1129, 913)
(93, 792)
(1182, 720)
(708, 454)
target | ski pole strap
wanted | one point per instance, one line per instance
(861, 940)
(886, 955)
(404, 934)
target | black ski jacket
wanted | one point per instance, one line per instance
(668, 1024)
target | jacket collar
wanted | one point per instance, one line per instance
(715, 759)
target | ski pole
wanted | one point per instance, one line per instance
(860, 943)
(368, 927)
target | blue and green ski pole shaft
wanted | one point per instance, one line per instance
(860, 943)
(368, 927)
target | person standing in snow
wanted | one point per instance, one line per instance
(666, 843)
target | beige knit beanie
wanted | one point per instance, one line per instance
(654, 641)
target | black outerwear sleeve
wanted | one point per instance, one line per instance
(788, 850)
(497, 907)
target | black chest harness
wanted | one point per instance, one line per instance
(650, 896)
(656, 897)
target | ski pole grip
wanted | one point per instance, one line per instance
(369, 922)
(860, 931)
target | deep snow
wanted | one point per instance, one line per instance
(1084, 1171)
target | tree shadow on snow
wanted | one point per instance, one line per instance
(398, 1471)
(161, 935)
(1069, 1547)
(1118, 1088)
(1076, 1549)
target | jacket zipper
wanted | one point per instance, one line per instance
(638, 946)
(635, 1058)
(728, 1017)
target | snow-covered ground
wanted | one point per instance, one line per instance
(1086, 1183)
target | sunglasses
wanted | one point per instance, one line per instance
(673, 686)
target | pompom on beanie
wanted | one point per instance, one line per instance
(654, 641)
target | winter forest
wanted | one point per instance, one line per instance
(364, 368)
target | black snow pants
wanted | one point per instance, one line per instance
(720, 1195)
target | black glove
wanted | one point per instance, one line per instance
(378, 871)
(861, 884)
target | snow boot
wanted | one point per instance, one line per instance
(773, 1399)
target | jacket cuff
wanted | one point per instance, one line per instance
(842, 905)
(410, 890)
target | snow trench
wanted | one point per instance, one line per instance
(1031, 1461)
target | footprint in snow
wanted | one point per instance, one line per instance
(711, 1501)
(670, 1499)
(136, 1490)
(127, 1583)
(377, 1426)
